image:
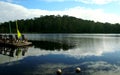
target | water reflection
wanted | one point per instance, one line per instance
(10, 54)
(13, 51)
(49, 45)
(78, 46)
(48, 64)
(94, 54)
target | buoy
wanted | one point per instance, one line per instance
(59, 72)
(78, 70)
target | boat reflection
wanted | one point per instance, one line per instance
(13, 51)
(50, 45)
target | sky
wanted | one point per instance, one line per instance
(95, 10)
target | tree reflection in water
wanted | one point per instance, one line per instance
(50, 45)
(13, 51)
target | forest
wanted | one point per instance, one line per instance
(59, 24)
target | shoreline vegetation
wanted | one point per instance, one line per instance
(59, 24)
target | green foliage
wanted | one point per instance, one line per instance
(59, 24)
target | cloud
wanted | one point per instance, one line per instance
(8, 0)
(102, 68)
(96, 1)
(99, 2)
(11, 11)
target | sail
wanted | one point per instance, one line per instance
(18, 32)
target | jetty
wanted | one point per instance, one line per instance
(13, 40)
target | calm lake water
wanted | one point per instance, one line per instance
(95, 54)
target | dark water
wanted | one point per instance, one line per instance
(95, 54)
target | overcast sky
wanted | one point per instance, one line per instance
(97, 10)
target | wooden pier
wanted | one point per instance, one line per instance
(9, 40)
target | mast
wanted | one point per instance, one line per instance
(10, 28)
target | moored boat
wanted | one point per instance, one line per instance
(10, 40)
(16, 40)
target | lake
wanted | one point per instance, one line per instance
(95, 54)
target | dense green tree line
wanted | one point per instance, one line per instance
(59, 24)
